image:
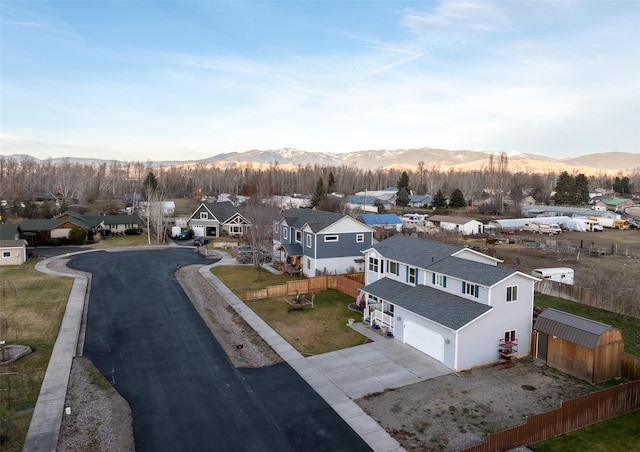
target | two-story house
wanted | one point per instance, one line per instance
(451, 302)
(210, 219)
(315, 242)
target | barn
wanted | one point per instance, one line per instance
(577, 346)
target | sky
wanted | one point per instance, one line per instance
(186, 80)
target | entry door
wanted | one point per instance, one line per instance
(543, 341)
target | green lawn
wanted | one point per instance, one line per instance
(629, 326)
(32, 304)
(620, 434)
(124, 240)
(315, 330)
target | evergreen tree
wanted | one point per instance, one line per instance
(622, 186)
(582, 189)
(331, 184)
(457, 200)
(402, 197)
(439, 201)
(565, 190)
(318, 195)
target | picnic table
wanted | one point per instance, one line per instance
(299, 303)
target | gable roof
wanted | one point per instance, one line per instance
(223, 210)
(13, 243)
(570, 327)
(436, 305)
(483, 274)
(9, 231)
(316, 219)
(414, 251)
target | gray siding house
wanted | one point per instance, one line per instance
(215, 219)
(451, 302)
(315, 242)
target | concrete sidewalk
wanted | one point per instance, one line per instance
(347, 374)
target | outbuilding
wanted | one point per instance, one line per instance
(581, 347)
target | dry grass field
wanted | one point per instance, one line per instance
(32, 304)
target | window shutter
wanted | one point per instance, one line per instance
(387, 266)
(444, 281)
(477, 287)
(406, 277)
(433, 278)
(464, 286)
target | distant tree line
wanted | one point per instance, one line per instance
(69, 183)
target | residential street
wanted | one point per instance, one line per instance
(145, 336)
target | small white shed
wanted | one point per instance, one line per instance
(559, 274)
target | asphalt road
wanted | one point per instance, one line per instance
(144, 335)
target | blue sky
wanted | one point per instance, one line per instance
(152, 80)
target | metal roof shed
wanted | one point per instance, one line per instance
(581, 347)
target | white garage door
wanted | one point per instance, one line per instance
(424, 339)
(198, 231)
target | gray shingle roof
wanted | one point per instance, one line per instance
(570, 327)
(441, 307)
(414, 251)
(316, 219)
(483, 274)
(292, 249)
(224, 210)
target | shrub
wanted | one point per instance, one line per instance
(132, 231)
(77, 235)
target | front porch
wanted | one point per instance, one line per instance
(380, 315)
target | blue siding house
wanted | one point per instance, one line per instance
(314, 242)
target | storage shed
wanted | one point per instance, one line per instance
(580, 347)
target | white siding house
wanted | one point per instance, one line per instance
(452, 303)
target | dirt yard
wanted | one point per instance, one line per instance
(456, 411)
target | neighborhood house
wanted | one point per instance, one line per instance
(314, 242)
(451, 302)
(216, 219)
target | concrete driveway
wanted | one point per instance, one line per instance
(144, 335)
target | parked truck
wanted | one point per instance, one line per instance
(542, 228)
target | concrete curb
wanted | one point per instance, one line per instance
(44, 428)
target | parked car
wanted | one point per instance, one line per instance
(633, 224)
(200, 241)
(245, 256)
(186, 235)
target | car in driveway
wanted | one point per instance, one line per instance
(186, 234)
(245, 253)
(200, 241)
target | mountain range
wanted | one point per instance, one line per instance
(444, 160)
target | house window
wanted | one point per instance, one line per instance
(331, 238)
(298, 236)
(411, 275)
(275, 228)
(359, 238)
(512, 294)
(6, 254)
(284, 233)
(372, 299)
(235, 229)
(308, 240)
(439, 280)
(373, 264)
(393, 267)
(204, 215)
(510, 335)
(470, 289)
(309, 263)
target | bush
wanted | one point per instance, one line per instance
(132, 231)
(77, 236)
(53, 242)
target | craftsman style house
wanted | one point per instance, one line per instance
(216, 219)
(451, 302)
(315, 242)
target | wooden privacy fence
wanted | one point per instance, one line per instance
(348, 284)
(572, 415)
(626, 304)
(630, 367)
